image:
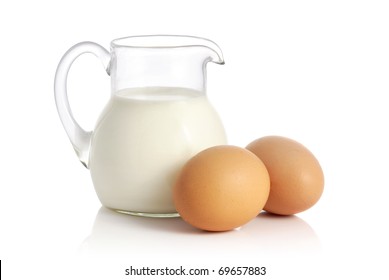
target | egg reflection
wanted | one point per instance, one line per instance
(119, 234)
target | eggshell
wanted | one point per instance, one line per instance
(296, 177)
(221, 188)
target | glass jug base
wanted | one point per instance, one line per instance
(149, 215)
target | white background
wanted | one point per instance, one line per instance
(314, 71)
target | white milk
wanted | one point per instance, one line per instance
(141, 141)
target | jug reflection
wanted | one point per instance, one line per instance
(157, 118)
(114, 234)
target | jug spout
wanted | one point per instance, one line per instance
(214, 52)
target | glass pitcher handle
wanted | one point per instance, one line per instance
(77, 135)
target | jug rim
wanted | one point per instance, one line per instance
(165, 42)
(162, 41)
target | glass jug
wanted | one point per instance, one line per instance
(158, 117)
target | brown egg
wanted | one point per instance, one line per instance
(296, 178)
(221, 188)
